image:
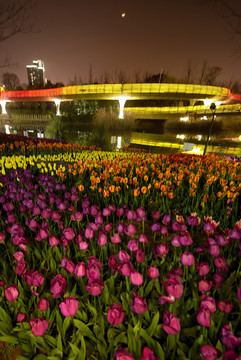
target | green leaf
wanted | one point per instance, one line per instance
(21, 357)
(9, 339)
(92, 309)
(40, 357)
(122, 339)
(152, 344)
(59, 343)
(148, 288)
(66, 324)
(76, 351)
(50, 340)
(5, 318)
(85, 330)
(152, 327)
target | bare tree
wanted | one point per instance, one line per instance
(10, 81)
(122, 77)
(189, 72)
(14, 17)
(211, 75)
(203, 72)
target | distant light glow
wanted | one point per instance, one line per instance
(122, 100)
(199, 137)
(119, 142)
(180, 136)
(123, 15)
(184, 118)
(203, 117)
(208, 102)
(218, 103)
(7, 129)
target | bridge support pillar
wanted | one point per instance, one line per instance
(57, 104)
(122, 101)
(3, 105)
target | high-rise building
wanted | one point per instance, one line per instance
(36, 74)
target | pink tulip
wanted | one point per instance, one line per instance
(143, 238)
(125, 268)
(203, 316)
(228, 339)
(153, 272)
(69, 306)
(171, 323)
(147, 354)
(21, 267)
(132, 245)
(115, 314)
(173, 288)
(209, 352)
(39, 326)
(187, 259)
(80, 269)
(68, 265)
(225, 306)
(83, 245)
(231, 355)
(43, 304)
(202, 268)
(123, 255)
(21, 317)
(2, 237)
(93, 271)
(11, 292)
(140, 256)
(138, 304)
(18, 255)
(115, 239)
(221, 264)
(58, 285)
(102, 239)
(136, 278)
(95, 287)
(209, 302)
(121, 354)
(53, 241)
(204, 285)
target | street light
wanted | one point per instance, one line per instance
(213, 109)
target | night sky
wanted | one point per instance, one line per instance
(70, 36)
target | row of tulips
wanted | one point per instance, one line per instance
(205, 184)
(23, 145)
(85, 281)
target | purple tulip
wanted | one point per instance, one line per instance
(204, 285)
(39, 326)
(166, 299)
(11, 293)
(209, 352)
(119, 212)
(228, 339)
(58, 285)
(94, 260)
(225, 306)
(69, 233)
(185, 240)
(155, 227)
(161, 249)
(131, 215)
(121, 354)
(89, 233)
(147, 354)
(21, 267)
(121, 228)
(143, 238)
(153, 272)
(130, 230)
(43, 304)
(202, 268)
(125, 268)
(93, 271)
(115, 239)
(171, 323)
(187, 259)
(53, 241)
(214, 250)
(123, 255)
(33, 278)
(68, 265)
(231, 355)
(173, 288)
(221, 264)
(138, 304)
(155, 214)
(203, 316)
(115, 314)
(209, 302)
(95, 287)
(132, 245)
(102, 239)
(69, 306)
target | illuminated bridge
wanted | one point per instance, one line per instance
(145, 91)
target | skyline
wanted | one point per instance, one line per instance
(71, 39)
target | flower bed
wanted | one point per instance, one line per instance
(90, 274)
